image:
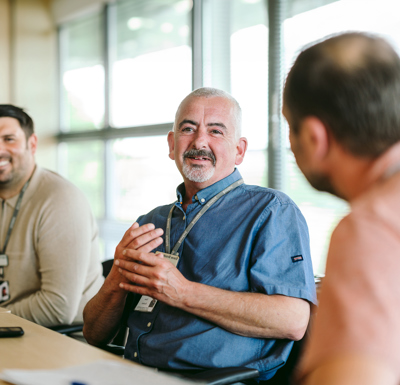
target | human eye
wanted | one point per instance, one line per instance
(187, 129)
(216, 131)
(9, 139)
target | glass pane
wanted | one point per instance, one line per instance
(152, 68)
(323, 211)
(144, 176)
(82, 164)
(236, 60)
(346, 15)
(82, 71)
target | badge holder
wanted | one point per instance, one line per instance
(4, 286)
(146, 303)
(3, 262)
(4, 291)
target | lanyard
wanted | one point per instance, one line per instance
(14, 217)
(195, 219)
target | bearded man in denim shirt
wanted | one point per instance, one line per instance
(234, 290)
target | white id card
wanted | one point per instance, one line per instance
(3, 260)
(146, 303)
(172, 258)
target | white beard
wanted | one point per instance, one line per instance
(198, 174)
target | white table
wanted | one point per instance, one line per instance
(41, 348)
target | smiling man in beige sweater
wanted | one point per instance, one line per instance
(49, 259)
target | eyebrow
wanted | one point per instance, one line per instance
(184, 121)
(192, 122)
(222, 125)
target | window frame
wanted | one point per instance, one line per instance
(111, 229)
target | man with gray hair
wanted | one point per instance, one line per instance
(341, 100)
(223, 276)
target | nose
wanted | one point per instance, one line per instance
(200, 139)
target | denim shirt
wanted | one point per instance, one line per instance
(253, 239)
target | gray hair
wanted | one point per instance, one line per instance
(209, 92)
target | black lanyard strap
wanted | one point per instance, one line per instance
(14, 217)
(195, 219)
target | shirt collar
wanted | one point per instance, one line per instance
(203, 196)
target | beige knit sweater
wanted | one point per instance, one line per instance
(54, 266)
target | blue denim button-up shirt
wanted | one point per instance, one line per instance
(253, 239)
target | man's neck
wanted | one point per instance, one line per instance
(189, 194)
(356, 175)
(191, 189)
(9, 191)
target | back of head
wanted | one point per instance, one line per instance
(25, 121)
(209, 92)
(351, 82)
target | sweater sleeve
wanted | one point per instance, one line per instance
(64, 234)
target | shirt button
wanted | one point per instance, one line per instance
(135, 354)
(149, 324)
(202, 200)
(195, 197)
(184, 218)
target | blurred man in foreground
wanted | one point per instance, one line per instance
(341, 100)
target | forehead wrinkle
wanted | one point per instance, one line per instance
(212, 124)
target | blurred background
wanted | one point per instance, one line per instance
(103, 79)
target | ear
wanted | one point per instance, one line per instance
(32, 143)
(171, 144)
(314, 137)
(241, 148)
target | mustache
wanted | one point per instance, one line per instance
(193, 153)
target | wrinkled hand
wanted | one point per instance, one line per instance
(152, 275)
(144, 238)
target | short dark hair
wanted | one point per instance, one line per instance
(351, 82)
(25, 121)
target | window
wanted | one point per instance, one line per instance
(236, 60)
(322, 210)
(125, 69)
(151, 60)
(82, 69)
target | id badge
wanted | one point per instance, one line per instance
(172, 258)
(3, 260)
(146, 303)
(4, 291)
